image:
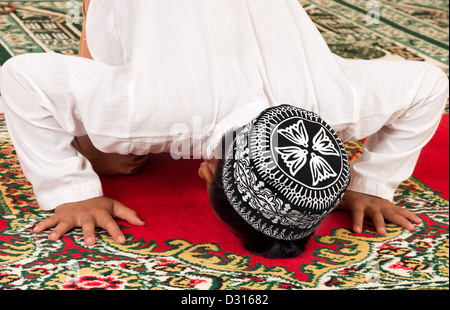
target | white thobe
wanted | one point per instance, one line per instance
(167, 72)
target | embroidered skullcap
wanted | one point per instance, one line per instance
(285, 171)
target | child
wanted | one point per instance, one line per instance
(162, 66)
(102, 163)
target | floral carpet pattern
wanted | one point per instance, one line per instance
(336, 258)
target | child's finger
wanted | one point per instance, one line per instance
(113, 229)
(60, 229)
(49, 222)
(88, 226)
(398, 219)
(378, 220)
(127, 214)
(357, 219)
(408, 214)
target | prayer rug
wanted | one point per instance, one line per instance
(183, 245)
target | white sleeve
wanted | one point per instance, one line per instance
(42, 121)
(401, 104)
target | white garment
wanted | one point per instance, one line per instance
(163, 68)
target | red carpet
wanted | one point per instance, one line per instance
(170, 197)
(432, 168)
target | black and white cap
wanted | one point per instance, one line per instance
(285, 171)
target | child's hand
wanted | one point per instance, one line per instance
(378, 209)
(89, 214)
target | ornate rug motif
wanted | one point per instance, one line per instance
(337, 259)
(412, 30)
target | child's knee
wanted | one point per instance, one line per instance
(437, 79)
(433, 87)
(6, 74)
(12, 82)
(441, 87)
(108, 164)
(11, 73)
(8, 78)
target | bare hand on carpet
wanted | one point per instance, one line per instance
(89, 214)
(362, 205)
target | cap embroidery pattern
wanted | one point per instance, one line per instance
(282, 182)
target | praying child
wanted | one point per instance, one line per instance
(278, 104)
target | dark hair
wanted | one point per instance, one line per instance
(252, 240)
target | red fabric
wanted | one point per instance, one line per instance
(432, 167)
(170, 197)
